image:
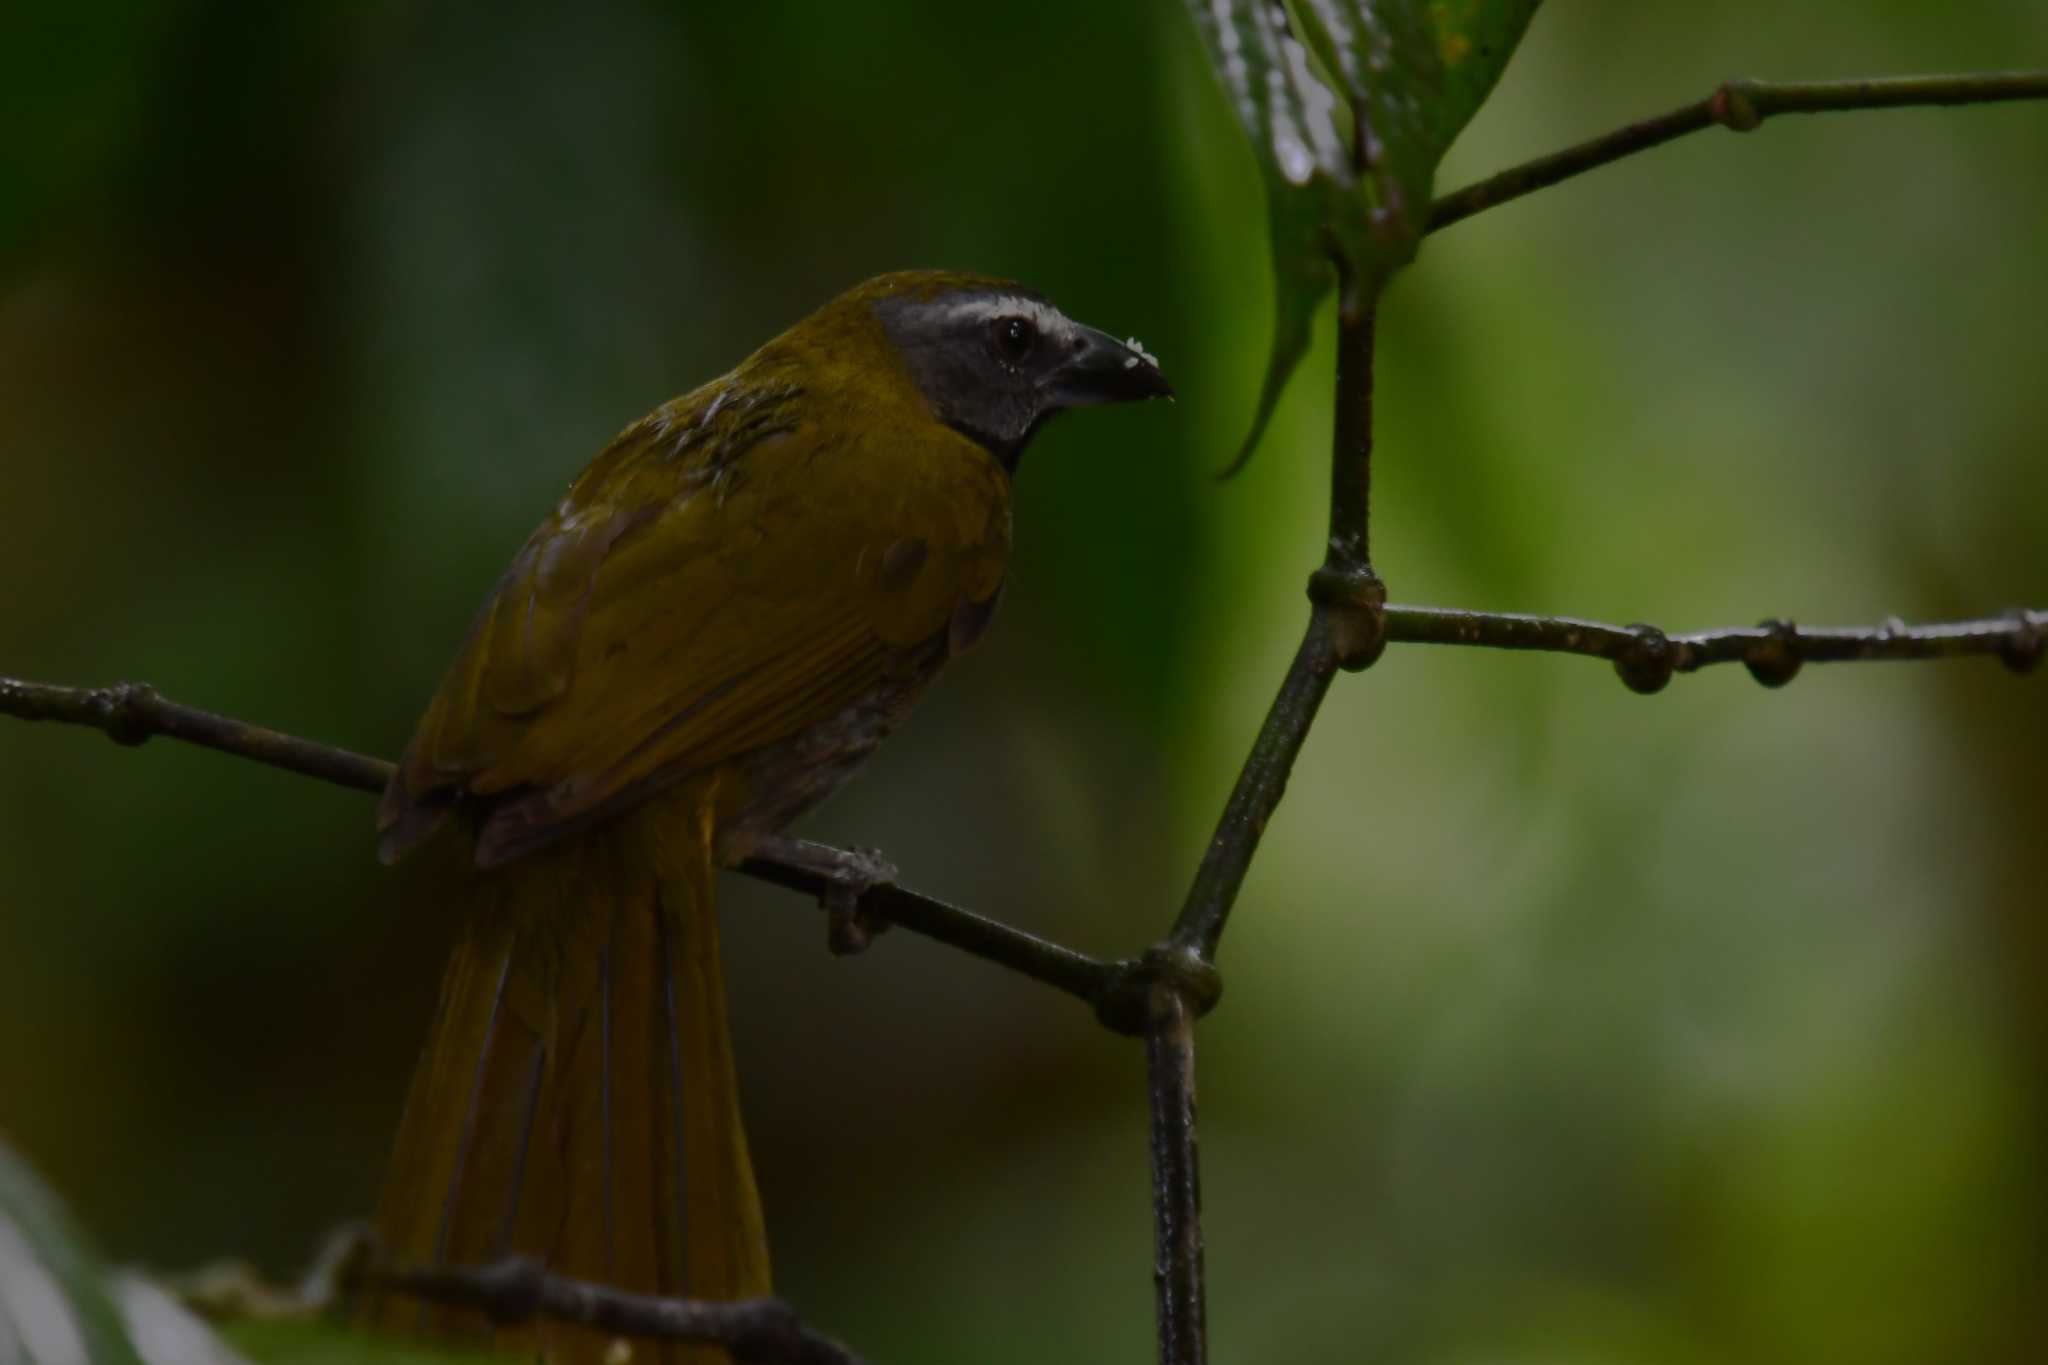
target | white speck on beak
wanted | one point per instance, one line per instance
(1131, 363)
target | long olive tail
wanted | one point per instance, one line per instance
(576, 1101)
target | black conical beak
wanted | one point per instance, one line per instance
(1101, 369)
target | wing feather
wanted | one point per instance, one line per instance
(689, 601)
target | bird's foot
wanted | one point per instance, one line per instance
(848, 875)
(848, 928)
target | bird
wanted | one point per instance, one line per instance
(734, 603)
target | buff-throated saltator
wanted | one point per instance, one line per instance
(734, 603)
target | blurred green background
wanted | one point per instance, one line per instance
(1562, 1024)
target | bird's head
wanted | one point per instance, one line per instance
(995, 359)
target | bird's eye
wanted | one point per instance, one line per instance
(1015, 337)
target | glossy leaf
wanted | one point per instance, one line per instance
(1350, 105)
(54, 1304)
(165, 1331)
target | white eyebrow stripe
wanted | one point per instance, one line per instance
(1045, 315)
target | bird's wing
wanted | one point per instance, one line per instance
(688, 603)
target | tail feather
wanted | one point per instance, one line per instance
(576, 1102)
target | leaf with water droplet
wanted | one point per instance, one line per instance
(1350, 105)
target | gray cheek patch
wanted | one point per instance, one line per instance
(947, 342)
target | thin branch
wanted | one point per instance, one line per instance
(1260, 785)
(513, 1291)
(130, 713)
(1646, 657)
(1351, 452)
(1177, 1275)
(1740, 106)
(1077, 974)
(1344, 631)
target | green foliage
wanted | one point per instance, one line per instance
(1350, 105)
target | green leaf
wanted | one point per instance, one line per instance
(1350, 106)
(57, 1303)
(53, 1299)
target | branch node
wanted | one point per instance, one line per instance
(2021, 648)
(1127, 1005)
(1645, 665)
(1733, 105)
(1354, 601)
(1774, 660)
(123, 710)
(1193, 978)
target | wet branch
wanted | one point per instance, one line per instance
(1040, 959)
(130, 713)
(1739, 106)
(513, 1291)
(1177, 1273)
(1345, 630)
(1646, 657)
